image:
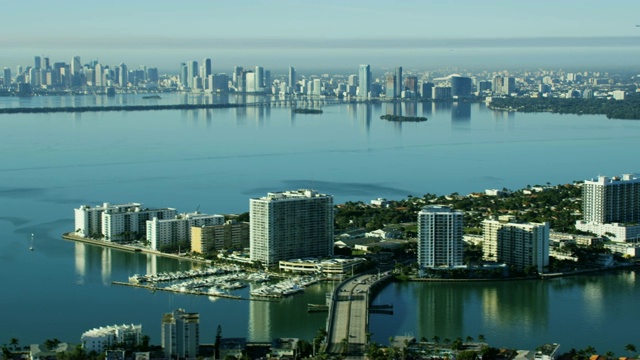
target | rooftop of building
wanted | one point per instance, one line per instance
(106, 330)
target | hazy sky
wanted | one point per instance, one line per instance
(323, 33)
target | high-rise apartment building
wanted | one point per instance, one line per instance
(192, 71)
(6, 77)
(611, 207)
(123, 75)
(76, 71)
(103, 338)
(290, 225)
(163, 232)
(439, 237)
(180, 334)
(390, 86)
(460, 86)
(522, 245)
(398, 85)
(258, 79)
(364, 81)
(230, 235)
(206, 68)
(292, 80)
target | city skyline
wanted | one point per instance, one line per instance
(498, 33)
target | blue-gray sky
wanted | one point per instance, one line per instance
(328, 33)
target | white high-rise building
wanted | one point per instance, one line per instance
(611, 207)
(180, 334)
(102, 338)
(162, 232)
(290, 225)
(521, 245)
(439, 237)
(116, 222)
(364, 81)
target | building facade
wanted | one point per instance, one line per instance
(440, 232)
(364, 81)
(611, 207)
(121, 223)
(230, 235)
(163, 232)
(521, 245)
(289, 225)
(102, 338)
(180, 334)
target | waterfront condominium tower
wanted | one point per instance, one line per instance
(290, 225)
(180, 334)
(521, 245)
(439, 237)
(611, 207)
(398, 78)
(292, 79)
(364, 81)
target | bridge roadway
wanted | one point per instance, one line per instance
(348, 320)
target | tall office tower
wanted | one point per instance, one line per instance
(460, 86)
(498, 83)
(236, 77)
(152, 74)
(398, 85)
(34, 76)
(248, 81)
(207, 68)
(292, 81)
(76, 74)
(259, 79)
(123, 77)
(98, 76)
(364, 81)
(7, 77)
(267, 82)
(352, 80)
(192, 71)
(439, 237)
(509, 85)
(38, 62)
(426, 89)
(317, 87)
(390, 86)
(411, 84)
(180, 334)
(609, 200)
(184, 75)
(47, 63)
(290, 225)
(522, 245)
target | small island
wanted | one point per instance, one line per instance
(307, 111)
(403, 118)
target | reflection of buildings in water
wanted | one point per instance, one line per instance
(461, 115)
(439, 311)
(106, 265)
(80, 261)
(259, 328)
(151, 264)
(393, 108)
(364, 116)
(352, 111)
(425, 109)
(503, 115)
(594, 300)
(524, 303)
(441, 106)
(410, 108)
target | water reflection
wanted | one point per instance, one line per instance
(461, 116)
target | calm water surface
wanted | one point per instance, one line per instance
(218, 159)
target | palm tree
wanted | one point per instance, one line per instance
(609, 355)
(436, 339)
(481, 338)
(469, 339)
(630, 348)
(14, 342)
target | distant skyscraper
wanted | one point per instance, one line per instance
(7, 77)
(364, 81)
(292, 79)
(411, 84)
(236, 77)
(76, 74)
(38, 62)
(180, 334)
(47, 63)
(390, 86)
(290, 225)
(123, 77)
(426, 90)
(98, 76)
(439, 237)
(509, 85)
(184, 75)
(192, 71)
(259, 79)
(267, 81)
(398, 85)
(460, 86)
(207, 68)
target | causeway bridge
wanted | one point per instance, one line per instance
(348, 319)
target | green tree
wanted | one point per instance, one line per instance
(630, 348)
(14, 342)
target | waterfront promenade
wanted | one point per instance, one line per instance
(348, 319)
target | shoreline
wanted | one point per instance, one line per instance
(70, 236)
